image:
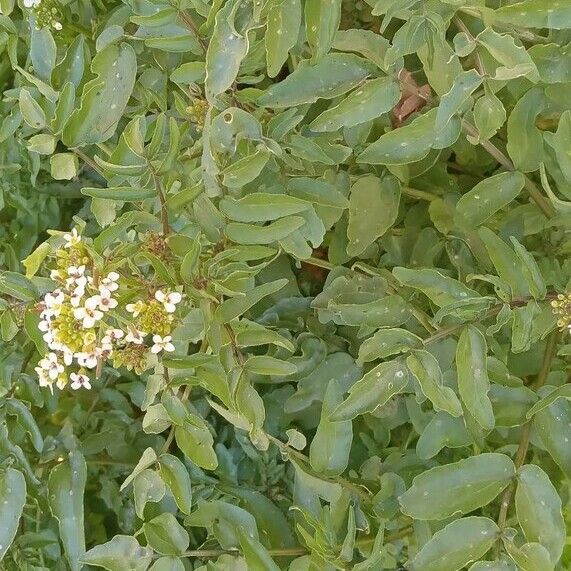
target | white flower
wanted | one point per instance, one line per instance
(79, 380)
(43, 377)
(51, 366)
(109, 283)
(52, 304)
(67, 356)
(31, 3)
(44, 325)
(73, 238)
(76, 295)
(104, 302)
(114, 334)
(135, 336)
(88, 313)
(76, 276)
(169, 300)
(55, 275)
(162, 344)
(135, 308)
(87, 360)
(57, 26)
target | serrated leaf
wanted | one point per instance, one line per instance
(457, 488)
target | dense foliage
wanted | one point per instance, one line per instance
(284, 285)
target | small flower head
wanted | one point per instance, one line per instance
(135, 308)
(162, 344)
(109, 283)
(562, 310)
(73, 238)
(136, 337)
(79, 381)
(88, 314)
(169, 300)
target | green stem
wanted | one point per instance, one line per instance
(416, 193)
(318, 262)
(543, 204)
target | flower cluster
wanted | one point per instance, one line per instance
(562, 310)
(84, 322)
(47, 12)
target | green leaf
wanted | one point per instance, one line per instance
(43, 144)
(505, 261)
(411, 142)
(534, 14)
(245, 170)
(284, 21)
(538, 508)
(165, 535)
(31, 111)
(489, 196)
(227, 48)
(456, 99)
(530, 269)
(425, 368)
(525, 141)
(440, 289)
(458, 544)
(147, 459)
(12, 502)
(197, 444)
(498, 565)
(120, 553)
(515, 60)
(369, 101)
(168, 564)
(553, 426)
(124, 193)
(332, 75)
(251, 234)
(148, 486)
(473, 383)
(104, 98)
(387, 342)
(66, 486)
(265, 365)
(236, 306)
(457, 488)
(564, 391)
(64, 166)
(375, 389)
(331, 445)
(27, 421)
(18, 286)
(489, 115)
(373, 209)
(177, 478)
(442, 431)
(530, 556)
(321, 24)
